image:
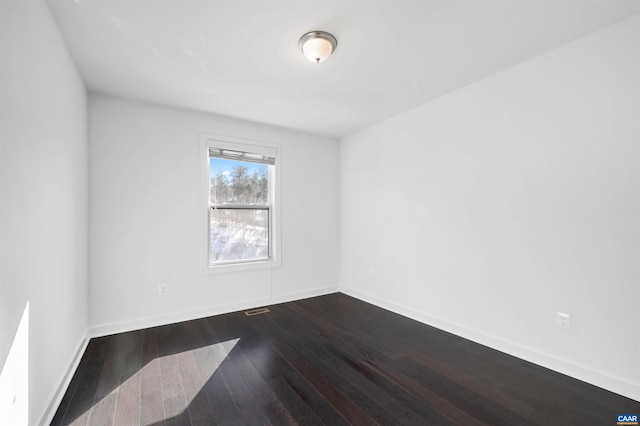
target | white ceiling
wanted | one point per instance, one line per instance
(241, 58)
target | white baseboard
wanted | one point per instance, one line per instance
(63, 383)
(564, 366)
(141, 323)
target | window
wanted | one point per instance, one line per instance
(241, 202)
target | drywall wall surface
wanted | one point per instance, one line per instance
(148, 217)
(490, 209)
(44, 198)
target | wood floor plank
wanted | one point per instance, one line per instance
(112, 367)
(128, 403)
(170, 342)
(489, 372)
(308, 338)
(209, 355)
(150, 365)
(370, 335)
(103, 412)
(379, 405)
(241, 395)
(84, 397)
(278, 414)
(151, 401)
(298, 383)
(269, 363)
(225, 410)
(449, 391)
(240, 391)
(467, 381)
(76, 380)
(455, 404)
(301, 412)
(261, 392)
(199, 407)
(381, 370)
(350, 411)
(401, 412)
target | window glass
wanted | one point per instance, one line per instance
(239, 209)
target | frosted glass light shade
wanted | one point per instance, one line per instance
(317, 46)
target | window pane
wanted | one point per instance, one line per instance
(238, 234)
(238, 182)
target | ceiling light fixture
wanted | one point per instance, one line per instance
(317, 46)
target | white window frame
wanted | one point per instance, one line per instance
(209, 140)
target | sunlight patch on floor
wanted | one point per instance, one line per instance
(163, 375)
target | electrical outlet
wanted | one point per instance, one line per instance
(372, 275)
(563, 320)
(163, 289)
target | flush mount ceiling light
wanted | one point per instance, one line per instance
(317, 46)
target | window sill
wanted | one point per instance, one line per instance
(225, 268)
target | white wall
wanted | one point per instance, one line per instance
(148, 217)
(486, 211)
(43, 170)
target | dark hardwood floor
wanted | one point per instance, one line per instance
(328, 360)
